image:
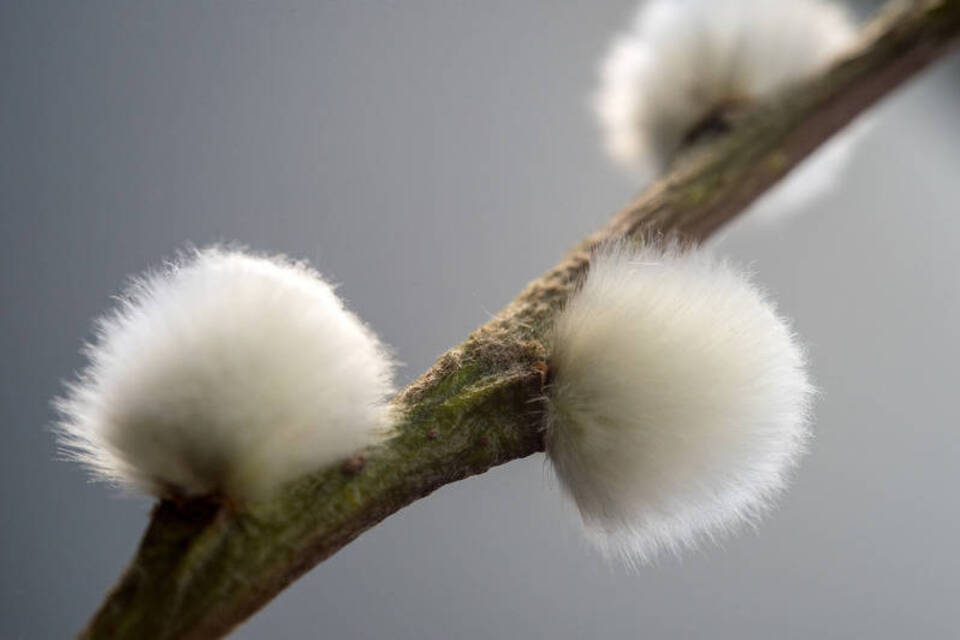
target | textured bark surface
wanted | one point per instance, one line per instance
(203, 568)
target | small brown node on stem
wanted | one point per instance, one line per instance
(544, 370)
(354, 465)
(432, 434)
(718, 121)
(191, 507)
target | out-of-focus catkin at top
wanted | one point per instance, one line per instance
(668, 80)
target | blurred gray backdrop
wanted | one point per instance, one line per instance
(433, 156)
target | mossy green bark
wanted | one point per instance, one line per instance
(202, 568)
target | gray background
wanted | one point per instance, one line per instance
(433, 156)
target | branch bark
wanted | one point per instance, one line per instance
(201, 569)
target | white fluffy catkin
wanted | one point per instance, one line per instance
(226, 374)
(683, 59)
(678, 403)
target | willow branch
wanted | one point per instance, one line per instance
(202, 569)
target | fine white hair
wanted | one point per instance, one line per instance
(679, 400)
(227, 374)
(682, 60)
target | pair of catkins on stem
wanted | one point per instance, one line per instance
(678, 402)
